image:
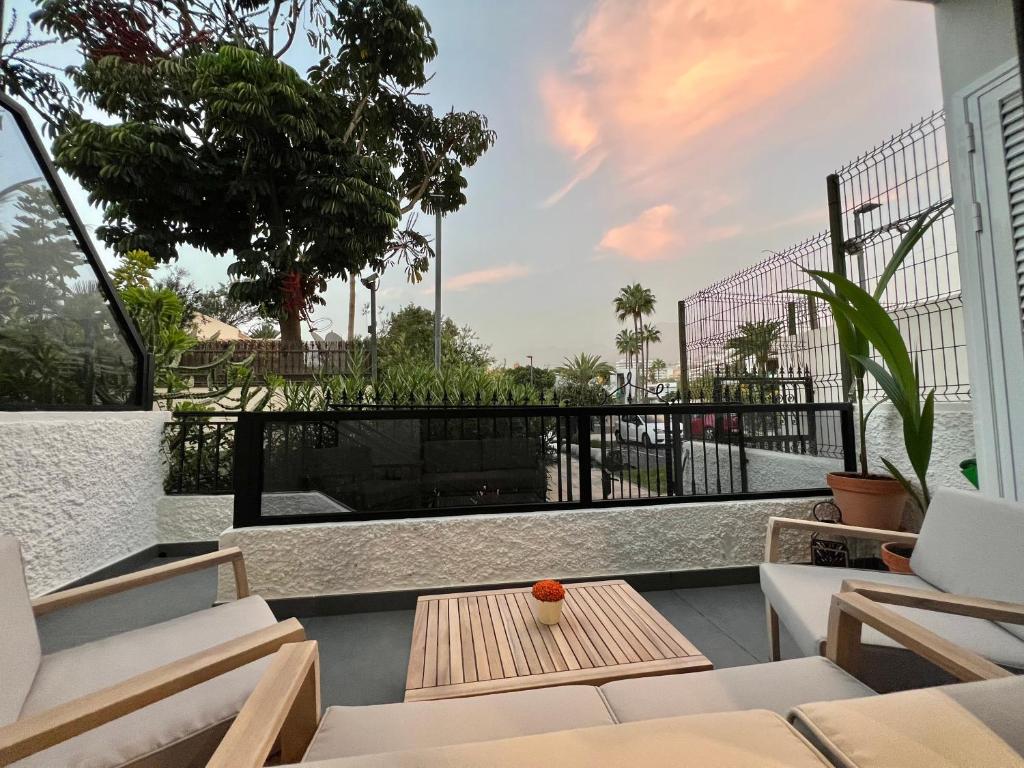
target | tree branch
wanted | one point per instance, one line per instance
(355, 117)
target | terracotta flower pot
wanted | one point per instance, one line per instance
(874, 501)
(897, 557)
(549, 611)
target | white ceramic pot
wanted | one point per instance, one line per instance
(549, 612)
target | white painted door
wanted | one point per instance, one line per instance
(991, 220)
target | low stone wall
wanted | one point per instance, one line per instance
(79, 490)
(361, 557)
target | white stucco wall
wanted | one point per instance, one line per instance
(359, 557)
(79, 490)
(193, 518)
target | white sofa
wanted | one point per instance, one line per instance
(969, 544)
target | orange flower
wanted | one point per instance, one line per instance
(548, 591)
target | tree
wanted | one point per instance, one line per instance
(626, 343)
(635, 302)
(658, 366)
(541, 379)
(755, 340)
(407, 338)
(581, 378)
(650, 335)
(211, 140)
(265, 330)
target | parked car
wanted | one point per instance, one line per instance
(711, 424)
(642, 429)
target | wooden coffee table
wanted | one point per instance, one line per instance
(472, 643)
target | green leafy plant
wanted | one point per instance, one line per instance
(862, 323)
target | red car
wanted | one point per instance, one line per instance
(711, 424)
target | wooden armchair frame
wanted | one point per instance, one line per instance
(862, 602)
(772, 547)
(84, 594)
(35, 733)
(284, 708)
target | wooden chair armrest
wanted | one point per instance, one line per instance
(778, 524)
(37, 732)
(285, 703)
(975, 607)
(77, 595)
(850, 611)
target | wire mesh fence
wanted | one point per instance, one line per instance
(748, 326)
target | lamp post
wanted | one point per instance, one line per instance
(858, 230)
(370, 283)
(437, 280)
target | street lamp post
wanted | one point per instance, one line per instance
(371, 284)
(437, 286)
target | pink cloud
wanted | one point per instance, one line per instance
(651, 236)
(486, 277)
(652, 78)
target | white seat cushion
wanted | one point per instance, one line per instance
(72, 673)
(971, 545)
(755, 739)
(778, 687)
(19, 640)
(802, 594)
(350, 731)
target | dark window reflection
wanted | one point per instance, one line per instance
(59, 342)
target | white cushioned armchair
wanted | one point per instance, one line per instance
(969, 545)
(153, 697)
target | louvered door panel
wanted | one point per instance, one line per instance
(1012, 122)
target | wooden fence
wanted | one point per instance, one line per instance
(292, 361)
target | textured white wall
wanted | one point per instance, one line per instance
(193, 518)
(358, 557)
(79, 490)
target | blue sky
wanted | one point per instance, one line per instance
(669, 142)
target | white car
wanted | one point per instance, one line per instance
(642, 429)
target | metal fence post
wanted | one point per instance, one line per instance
(684, 369)
(677, 456)
(248, 470)
(742, 448)
(583, 443)
(838, 241)
(848, 438)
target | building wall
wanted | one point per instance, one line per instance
(974, 37)
(361, 557)
(79, 490)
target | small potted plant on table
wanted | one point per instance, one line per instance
(862, 323)
(550, 596)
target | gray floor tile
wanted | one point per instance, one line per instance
(712, 641)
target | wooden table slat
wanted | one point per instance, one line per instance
(494, 661)
(430, 652)
(665, 647)
(597, 628)
(483, 666)
(499, 613)
(641, 643)
(472, 643)
(469, 673)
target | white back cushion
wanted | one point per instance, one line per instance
(973, 545)
(19, 641)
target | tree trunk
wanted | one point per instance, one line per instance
(351, 308)
(291, 329)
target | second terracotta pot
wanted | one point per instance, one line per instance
(872, 501)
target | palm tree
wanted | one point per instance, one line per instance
(626, 344)
(635, 302)
(657, 366)
(650, 335)
(583, 370)
(756, 340)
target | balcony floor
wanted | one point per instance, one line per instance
(364, 655)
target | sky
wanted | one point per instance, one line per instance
(666, 142)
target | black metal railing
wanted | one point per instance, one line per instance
(385, 463)
(199, 450)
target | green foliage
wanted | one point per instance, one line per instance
(407, 339)
(755, 340)
(863, 323)
(265, 330)
(541, 379)
(634, 303)
(210, 140)
(581, 379)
